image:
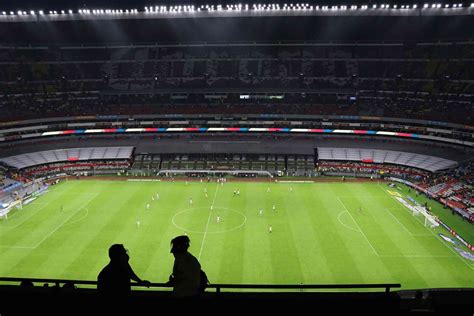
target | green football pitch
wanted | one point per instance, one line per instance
(322, 233)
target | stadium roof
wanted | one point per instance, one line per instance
(65, 12)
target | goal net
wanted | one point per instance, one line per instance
(16, 205)
(429, 219)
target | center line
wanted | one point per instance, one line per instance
(208, 221)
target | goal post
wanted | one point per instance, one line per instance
(16, 205)
(429, 219)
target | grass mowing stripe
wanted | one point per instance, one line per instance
(457, 255)
(375, 251)
(207, 225)
(308, 243)
(403, 226)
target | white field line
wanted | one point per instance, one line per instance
(436, 237)
(404, 227)
(208, 221)
(62, 224)
(80, 219)
(339, 219)
(58, 227)
(32, 213)
(375, 251)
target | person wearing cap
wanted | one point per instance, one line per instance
(115, 277)
(186, 278)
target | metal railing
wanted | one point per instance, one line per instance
(218, 287)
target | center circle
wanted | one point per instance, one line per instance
(220, 220)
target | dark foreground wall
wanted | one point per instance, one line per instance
(59, 301)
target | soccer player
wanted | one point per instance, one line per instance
(238, 192)
(291, 189)
(205, 190)
(152, 198)
(157, 196)
(218, 219)
(148, 206)
(260, 212)
(268, 189)
(270, 229)
(273, 207)
(191, 201)
(235, 192)
(138, 223)
(61, 209)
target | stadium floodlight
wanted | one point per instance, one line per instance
(70, 11)
(472, 5)
(426, 6)
(32, 12)
(415, 6)
(4, 13)
(12, 13)
(20, 13)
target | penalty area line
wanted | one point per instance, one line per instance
(361, 231)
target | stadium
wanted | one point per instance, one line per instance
(313, 153)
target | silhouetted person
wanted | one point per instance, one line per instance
(186, 278)
(26, 283)
(115, 277)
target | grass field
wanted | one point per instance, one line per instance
(319, 235)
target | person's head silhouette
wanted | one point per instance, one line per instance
(179, 244)
(117, 252)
